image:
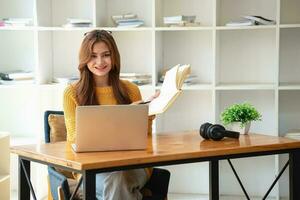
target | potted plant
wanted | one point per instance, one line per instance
(238, 117)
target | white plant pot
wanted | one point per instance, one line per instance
(236, 126)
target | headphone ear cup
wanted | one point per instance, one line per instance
(216, 132)
(203, 130)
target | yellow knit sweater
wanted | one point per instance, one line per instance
(104, 96)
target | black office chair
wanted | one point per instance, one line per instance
(158, 183)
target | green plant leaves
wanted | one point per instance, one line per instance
(243, 113)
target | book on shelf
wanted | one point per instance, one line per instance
(65, 80)
(130, 24)
(242, 22)
(17, 21)
(293, 134)
(251, 20)
(137, 78)
(187, 18)
(77, 22)
(124, 16)
(181, 20)
(16, 75)
(170, 89)
(127, 20)
(259, 20)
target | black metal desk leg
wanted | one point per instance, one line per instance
(24, 190)
(214, 180)
(89, 185)
(294, 175)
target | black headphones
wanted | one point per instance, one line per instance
(216, 132)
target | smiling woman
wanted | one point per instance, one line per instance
(100, 84)
(98, 51)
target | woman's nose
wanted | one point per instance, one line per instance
(99, 61)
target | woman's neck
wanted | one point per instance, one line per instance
(101, 81)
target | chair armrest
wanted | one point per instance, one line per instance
(58, 180)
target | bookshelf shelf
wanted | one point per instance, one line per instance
(183, 28)
(289, 26)
(246, 27)
(21, 28)
(243, 86)
(288, 86)
(86, 29)
(43, 28)
(116, 29)
(258, 64)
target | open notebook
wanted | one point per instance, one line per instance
(170, 89)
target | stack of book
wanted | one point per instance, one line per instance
(127, 21)
(181, 20)
(251, 20)
(293, 134)
(242, 22)
(16, 22)
(139, 79)
(16, 77)
(75, 22)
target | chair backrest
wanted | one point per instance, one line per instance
(56, 179)
(46, 123)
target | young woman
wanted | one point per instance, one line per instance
(99, 84)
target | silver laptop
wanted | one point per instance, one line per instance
(111, 127)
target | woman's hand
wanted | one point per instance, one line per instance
(151, 117)
(153, 96)
(148, 100)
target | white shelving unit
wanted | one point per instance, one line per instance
(258, 64)
(4, 166)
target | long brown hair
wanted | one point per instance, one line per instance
(85, 87)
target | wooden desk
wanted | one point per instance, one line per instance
(166, 149)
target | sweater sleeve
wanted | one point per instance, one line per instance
(135, 95)
(69, 105)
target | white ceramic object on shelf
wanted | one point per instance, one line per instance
(236, 126)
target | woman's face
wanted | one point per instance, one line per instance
(100, 62)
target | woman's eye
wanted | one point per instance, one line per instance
(107, 55)
(94, 56)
